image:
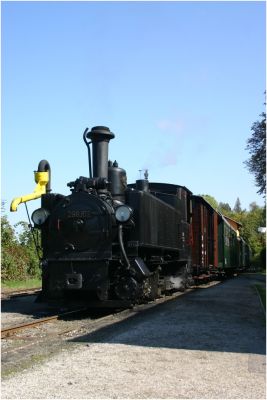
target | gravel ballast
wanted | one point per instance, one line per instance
(209, 343)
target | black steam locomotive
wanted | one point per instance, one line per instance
(111, 242)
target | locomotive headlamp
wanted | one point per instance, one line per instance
(39, 216)
(123, 213)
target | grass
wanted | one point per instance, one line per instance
(27, 284)
(262, 293)
(23, 365)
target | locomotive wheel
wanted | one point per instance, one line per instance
(126, 288)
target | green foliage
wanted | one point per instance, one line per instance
(19, 259)
(256, 145)
(224, 208)
(259, 260)
(211, 200)
(237, 207)
(262, 293)
(8, 233)
(251, 220)
(16, 284)
(14, 263)
(29, 244)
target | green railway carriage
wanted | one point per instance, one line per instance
(228, 247)
(244, 254)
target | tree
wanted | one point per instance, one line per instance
(225, 208)
(237, 207)
(31, 245)
(8, 237)
(256, 145)
(211, 200)
(13, 260)
(251, 220)
(19, 260)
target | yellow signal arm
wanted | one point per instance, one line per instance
(42, 179)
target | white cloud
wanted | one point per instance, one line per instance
(175, 126)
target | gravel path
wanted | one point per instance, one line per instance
(209, 343)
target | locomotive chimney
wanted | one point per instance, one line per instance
(100, 137)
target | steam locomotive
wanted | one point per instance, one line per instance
(113, 243)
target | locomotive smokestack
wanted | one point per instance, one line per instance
(100, 137)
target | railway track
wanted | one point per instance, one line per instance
(20, 292)
(23, 345)
(10, 331)
(7, 332)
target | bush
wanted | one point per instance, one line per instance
(263, 259)
(19, 259)
(14, 263)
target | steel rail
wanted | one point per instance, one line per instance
(20, 292)
(12, 330)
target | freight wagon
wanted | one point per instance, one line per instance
(217, 247)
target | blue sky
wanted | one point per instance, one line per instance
(179, 83)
